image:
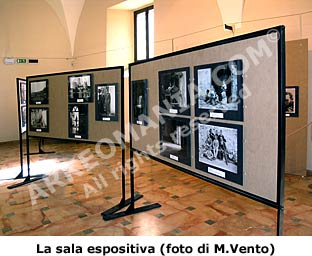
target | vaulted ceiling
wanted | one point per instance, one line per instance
(69, 11)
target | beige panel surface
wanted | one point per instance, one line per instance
(260, 126)
(58, 107)
(296, 133)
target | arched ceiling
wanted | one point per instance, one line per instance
(68, 11)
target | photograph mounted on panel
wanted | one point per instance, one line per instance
(22, 91)
(106, 107)
(174, 94)
(139, 91)
(80, 88)
(38, 92)
(78, 121)
(39, 119)
(218, 90)
(292, 101)
(219, 150)
(175, 139)
(23, 119)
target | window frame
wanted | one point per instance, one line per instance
(136, 13)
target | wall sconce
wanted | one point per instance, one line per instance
(228, 27)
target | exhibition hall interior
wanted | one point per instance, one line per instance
(156, 118)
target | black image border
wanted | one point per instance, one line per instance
(296, 98)
(98, 115)
(21, 105)
(233, 177)
(133, 85)
(236, 115)
(187, 160)
(81, 100)
(81, 135)
(179, 111)
(46, 100)
(33, 129)
(23, 128)
(21, 82)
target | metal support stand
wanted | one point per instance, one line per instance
(113, 213)
(40, 150)
(280, 221)
(29, 178)
(21, 174)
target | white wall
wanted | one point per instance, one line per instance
(90, 44)
(119, 50)
(29, 29)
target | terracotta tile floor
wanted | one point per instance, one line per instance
(69, 201)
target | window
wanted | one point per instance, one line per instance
(144, 33)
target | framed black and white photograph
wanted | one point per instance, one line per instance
(80, 88)
(174, 94)
(292, 101)
(22, 92)
(21, 102)
(78, 121)
(218, 90)
(139, 90)
(219, 150)
(23, 119)
(38, 92)
(106, 102)
(175, 139)
(39, 119)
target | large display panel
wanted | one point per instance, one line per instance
(77, 103)
(248, 114)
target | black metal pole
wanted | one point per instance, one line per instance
(27, 152)
(280, 221)
(282, 130)
(132, 180)
(20, 175)
(27, 179)
(123, 174)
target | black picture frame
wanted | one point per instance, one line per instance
(175, 138)
(78, 121)
(22, 92)
(219, 150)
(21, 98)
(80, 88)
(219, 90)
(23, 119)
(39, 119)
(39, 92)
(292, 101)
(106, 102)
(174, 96)
(139, 89)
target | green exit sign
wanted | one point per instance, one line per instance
(21, 60)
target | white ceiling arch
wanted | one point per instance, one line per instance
(68, 11)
